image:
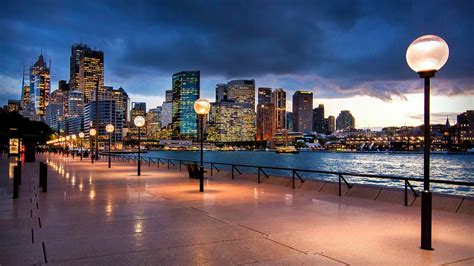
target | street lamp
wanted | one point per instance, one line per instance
(426, 55)
(92, 133)
(73, 137)
(66, 146)
(109, 128)
(202, 107)
(81, 136)
(139, 122)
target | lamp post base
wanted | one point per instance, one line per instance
(426, 201)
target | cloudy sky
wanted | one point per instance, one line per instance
(351, 54)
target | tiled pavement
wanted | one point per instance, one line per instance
(95, 215)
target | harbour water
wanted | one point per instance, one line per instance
(459, 167)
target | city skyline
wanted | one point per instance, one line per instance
(383, 91)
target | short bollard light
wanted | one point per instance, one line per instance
(139, 122)
(426, 55)
(81, 137)
(92, 133)
(110, 128)
(73, 138)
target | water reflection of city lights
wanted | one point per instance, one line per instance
(255, 193)
(10, 170)
(288, 199)
(81, 186)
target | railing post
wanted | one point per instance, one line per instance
(293, 179)
(149, 161)
(406, 192)
(232, 171)
(259, 175)
(18, 163)
(168, 164)
(180, 165)
(340, 185)
(158, 163)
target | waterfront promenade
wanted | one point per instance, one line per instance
(95, 215)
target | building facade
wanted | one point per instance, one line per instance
(319, 124)
(279, 100)
(86, 70)
(345, 120)
(40, 85)
(265, 120)
(303, 111)
(264, 95)
(186, 90)
(229, 122)
(107, 115)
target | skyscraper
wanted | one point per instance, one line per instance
(75, 103)
(40, 85)
(186, 90)
(107, 115)
(279, 100)
(303, 111)
(222, 92)
(318, 119)
(169, 96)
(331, 124)
(86, 70)
(265, 120)
(345, 120)
(289, 121)
(242, 91)
(264, 95)
(229, 122)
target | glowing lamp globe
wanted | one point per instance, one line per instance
(73, 137)
(68, 138)
(428, 53)
(202, 106)
(109, 128)
(92, 132)
(81, 135)
(139, 121)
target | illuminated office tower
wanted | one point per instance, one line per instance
(40, 85)
(76, 103)
(86, 70)
(186, 89)
(107, 115)
(264, 95)
(265, 120)
(27, 106)
(222, 92)
(345, 120)
(122, 103)
(229, 122)
(153, 122)
(169, 96)
(303, 111)
(242, 91)
(279, 100)
(319, 124)
(331, 124)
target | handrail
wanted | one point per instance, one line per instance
(296, 171)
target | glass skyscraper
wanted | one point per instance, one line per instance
(186, 89)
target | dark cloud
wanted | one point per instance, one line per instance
(351, 47)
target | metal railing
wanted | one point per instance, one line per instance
(296, 173)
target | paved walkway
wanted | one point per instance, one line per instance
(95, 215)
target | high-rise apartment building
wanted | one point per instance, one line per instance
(86, 70)
(166, 114)
(169, 96)
(303, 111)
(264, 95)
(75, 103)
(318, 119)
(40, 85)
(345, 121)
(289, 121)
(186, 90)
(107, 115)
(153, 122)
(331, 124)
(279, 100)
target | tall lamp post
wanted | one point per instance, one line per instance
(110, 128)
(426, 55)
(66, 145)
(73, 138)
(81, 136)
(202, 107)
(92, 133)
(139, 122)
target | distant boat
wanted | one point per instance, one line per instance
(286, 149)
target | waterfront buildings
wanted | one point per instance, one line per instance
(75, 103)
(186, 90)
(40, 85)
(13, 106)
(153, 122)
(289, 121)
(222, 91)
(54, 116)
(345, 121)
(229, 122)
(303, 111)
(242, 91)
(166, 114)
(330, 124)
(138, 109)
(319, 123)
(279, 101)
(86, 70)
(265, 120)
(107, 115)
